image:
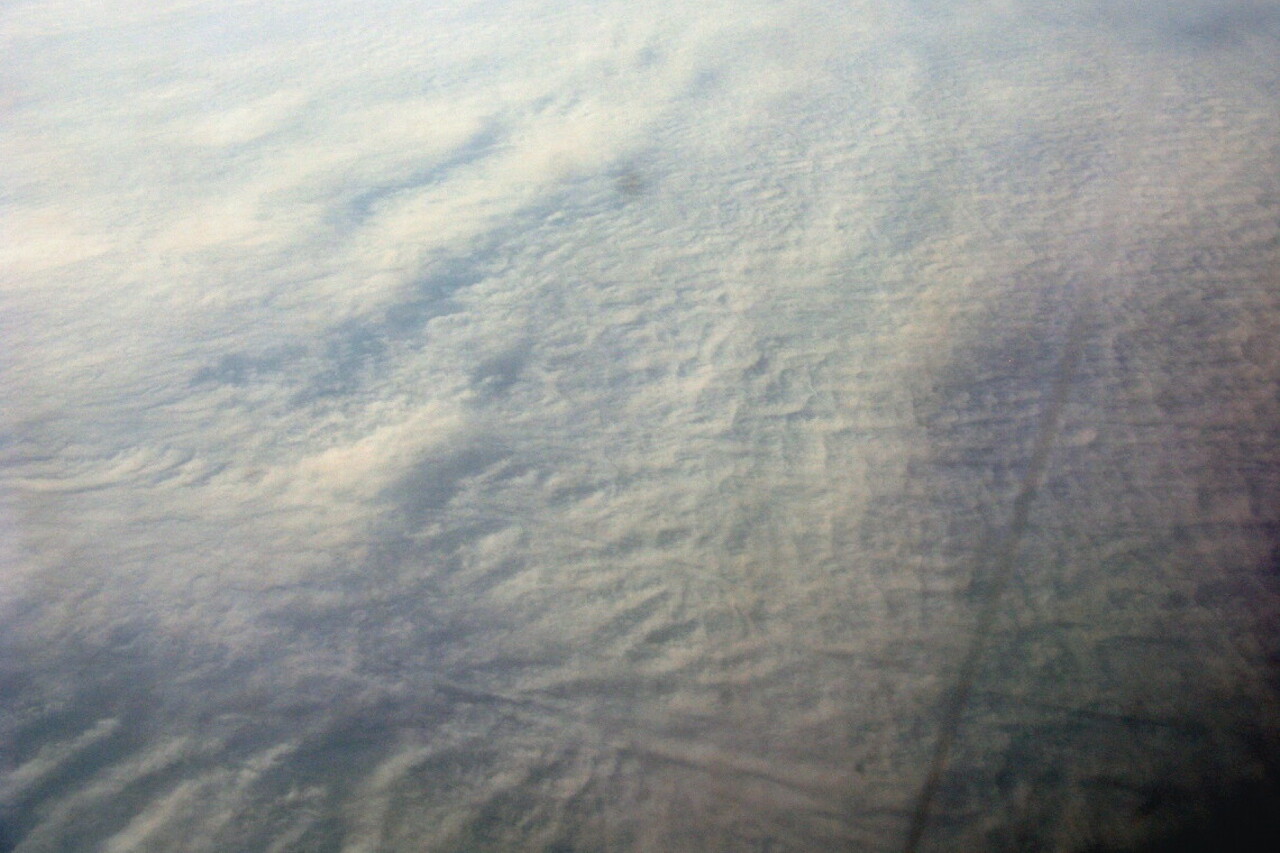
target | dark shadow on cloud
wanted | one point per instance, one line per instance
(1221, 25)
(242, 368)
(365, 202)
(1021, 162)
(1196, 24)
(353, 352)
(433, 295)
(980, 412)
(915, 217)
(429, 486)
(98, 712)
(1206, 817)
(495, 375)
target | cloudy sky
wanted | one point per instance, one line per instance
(549, 425)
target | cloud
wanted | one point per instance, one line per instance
(541, 424)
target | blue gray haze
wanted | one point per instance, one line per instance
(534, 425)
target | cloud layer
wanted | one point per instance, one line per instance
(531, 425)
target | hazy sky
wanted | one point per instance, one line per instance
(573, 426)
